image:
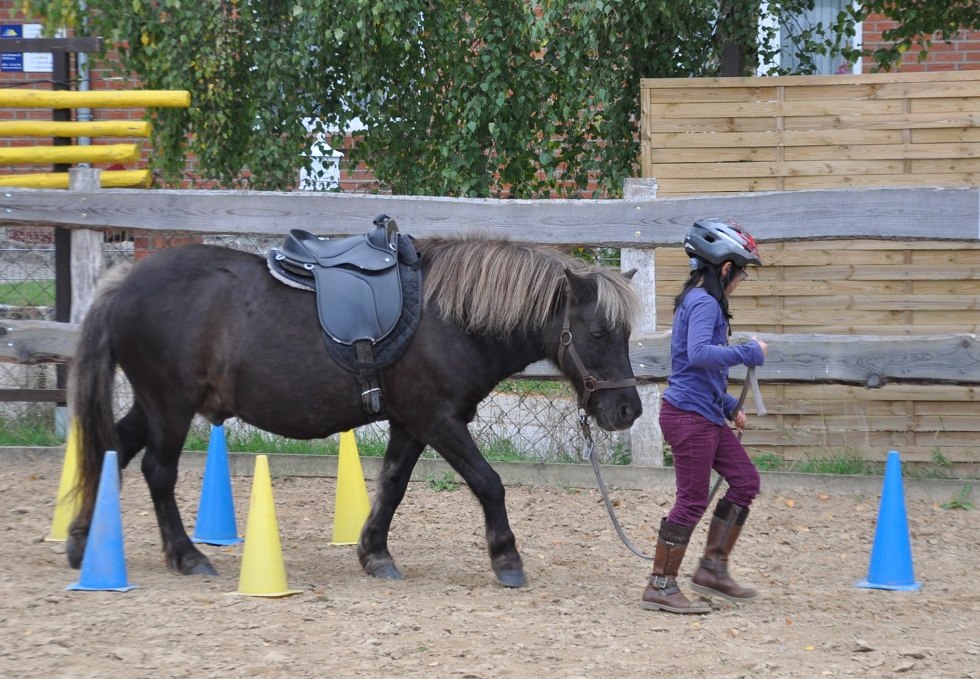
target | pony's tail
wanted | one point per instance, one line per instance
(91, 379)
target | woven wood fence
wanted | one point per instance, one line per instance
(721, 136)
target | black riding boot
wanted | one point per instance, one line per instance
(662, 592)
(711, 576)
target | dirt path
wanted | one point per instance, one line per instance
(577, 618)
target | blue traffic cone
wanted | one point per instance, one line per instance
(891, 553)
(104, 561)
(216, 511)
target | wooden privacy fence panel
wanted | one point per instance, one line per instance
(722, 135)
(717, 136)
(828, 421)
(856, 287)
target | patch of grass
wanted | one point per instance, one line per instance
(769, 462)
(445, 483)
(939, 467)
(532, 387)
(621, 454)
(847, 463)
(960, 501)
(27, 293)
(251, 441)
(29, 431)
(254, 441)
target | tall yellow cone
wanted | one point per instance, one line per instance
(263, 571)
(351, 506)
(67, 504)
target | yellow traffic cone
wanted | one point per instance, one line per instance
(263, 571)
(67, 504)
(351, 506)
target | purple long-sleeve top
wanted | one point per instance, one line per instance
(700, 358)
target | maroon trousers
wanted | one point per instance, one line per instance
(698, 446)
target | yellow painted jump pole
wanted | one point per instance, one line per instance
(40, 155)
(99, 128)
(14, 98)
(108, 179)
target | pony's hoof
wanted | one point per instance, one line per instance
(193, 563)
(513, 577)
(74, 552)
(202, 569)
(386, 571)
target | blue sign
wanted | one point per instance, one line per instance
(11, 61)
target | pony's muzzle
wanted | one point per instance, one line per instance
(616, 414)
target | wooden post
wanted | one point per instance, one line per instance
(87, 262)
(61, 72)
(87, 256)
(646, 439)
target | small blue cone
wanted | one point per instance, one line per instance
(104, 561)
(891, 554)
(216, 510)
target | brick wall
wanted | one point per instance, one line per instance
(962, 54)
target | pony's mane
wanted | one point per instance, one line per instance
(492, 286)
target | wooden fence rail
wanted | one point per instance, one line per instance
(903, 213)
(903, 370)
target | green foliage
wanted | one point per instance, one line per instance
(961, 501)
(32, 430)
(446, 482)
(767, 462)
(483, 98)
(846, 462)
(919, 24)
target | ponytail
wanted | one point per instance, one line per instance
(709, 277)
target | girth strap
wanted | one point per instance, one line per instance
(370, 386)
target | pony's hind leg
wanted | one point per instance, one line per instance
(400, 457)
(131, 438)
(160, 471)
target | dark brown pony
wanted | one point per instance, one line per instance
(207, 330)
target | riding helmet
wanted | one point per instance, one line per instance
(717, 241)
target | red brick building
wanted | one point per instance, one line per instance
(962, 54)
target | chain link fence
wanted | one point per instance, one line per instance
(523, 419)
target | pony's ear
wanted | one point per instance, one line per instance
(579, 287)
(629, 274)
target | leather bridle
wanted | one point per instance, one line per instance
(590, 383)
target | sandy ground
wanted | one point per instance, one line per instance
(449, 618)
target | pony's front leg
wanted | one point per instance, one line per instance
(400, 458)
(453, 441)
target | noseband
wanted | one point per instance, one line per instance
(590, 384)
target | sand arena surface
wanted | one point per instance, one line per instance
(449, 618)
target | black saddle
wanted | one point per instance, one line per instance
(368, 295)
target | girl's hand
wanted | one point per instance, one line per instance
(762, 345)
(740, 418)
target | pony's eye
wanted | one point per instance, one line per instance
(599, 334)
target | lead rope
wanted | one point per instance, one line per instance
(583, 421)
